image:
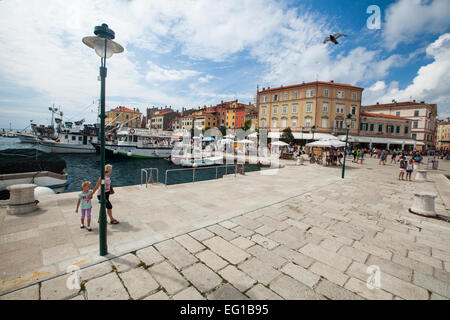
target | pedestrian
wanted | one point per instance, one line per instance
(340, 156)
(409, 169)
(108, 191)
(403, 165)
(393, 156)
(361, 157)
(84, 199)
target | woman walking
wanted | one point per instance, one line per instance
(108, 190)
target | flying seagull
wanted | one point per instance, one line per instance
(333, 38)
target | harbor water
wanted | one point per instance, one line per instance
(126, 171)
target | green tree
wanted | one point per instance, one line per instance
(247, 124)
(287, 136)
(223, 130)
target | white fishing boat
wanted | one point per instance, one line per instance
(27, 137)
(71, 139)
(201, 162)
(140, 143)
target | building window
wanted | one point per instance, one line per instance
(325, 93)
(295, 95)
(397, 113)
(416, 113)
(380, 128)
(283, 123)
(363, 126)
(353, 109)
(325, 107)
(284, 108)
(324, 122)
(372, 127)
(308, 122)
(274, 123)
(414, 136)
(263, 123)
(294, 108)
(264, 98)
(397, 130)
(354, 95)
(285, 96)
(263, 111)
(415, 124)
(310, 93)
(340, 94)
(275, 109)
(275, 97)
(340, 108)
(294, 122)
(406, 129)
(308, 107)
(338, 124)
(352, 124)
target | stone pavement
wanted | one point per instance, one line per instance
(303, 233)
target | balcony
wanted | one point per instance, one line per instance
(336, 130)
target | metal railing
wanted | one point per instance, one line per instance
(147, 177)
(202, 168)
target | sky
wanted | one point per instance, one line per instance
(190, 53)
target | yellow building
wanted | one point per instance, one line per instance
(443, 135)
(204, 121)
(318, 105)
(125, 116)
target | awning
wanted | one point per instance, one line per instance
(303, 136)
(363, 139)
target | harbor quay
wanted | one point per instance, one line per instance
(297, 232)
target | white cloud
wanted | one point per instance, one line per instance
(407, 19)
(157, 73)
(431, 84)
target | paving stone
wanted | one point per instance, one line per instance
(360, 288)
(425, 259)
(391, 268)
(298, 224)
(413, 264)
(138, 282)
(242, 243)
(435, 296)
(176, 254)
(28, 293)
(228, 224)
(335, 292)
(441, 255)
(188, 294)
(223, 232)
(264, 230)
(323, 234)
(259, 292)
(95, 271)
(354, 254)
(264, 242)
(301, 274)
(291, 289)
(226, 292)
(374, 250)
(273, 223)
(168, 277)
(329, 273)
(441, 275)
(266, 256)
(126, 262)
(432, 284)
(226, 250)
(247, 223)
(259, 271)
(57, 289)
(160, 295)
(294, 256)
(331, 245)
(330, 258)
(107, 287)
(287, 239)
(190, 243)
(203, 278)
(243, 232)
(211, 260)
(149, 256)
(237, 278)
(202, 234)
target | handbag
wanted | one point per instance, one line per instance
(111, 190)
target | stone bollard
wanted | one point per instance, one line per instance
(21, 199)
(424, 204)
(421, 175)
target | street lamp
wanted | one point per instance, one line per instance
(313, 129)
(104, 47)
(348, 122)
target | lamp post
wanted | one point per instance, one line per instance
(313, 129)
(348, 122)
(104, 47)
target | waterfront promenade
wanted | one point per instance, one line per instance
(301, 233)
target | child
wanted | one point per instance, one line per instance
(409, 169)
(403, 165)
(85, 199)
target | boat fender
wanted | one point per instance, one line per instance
(129, 154)
(115, 152)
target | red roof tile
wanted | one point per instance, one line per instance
(377, 115)
(311, 83)
(124, 109)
